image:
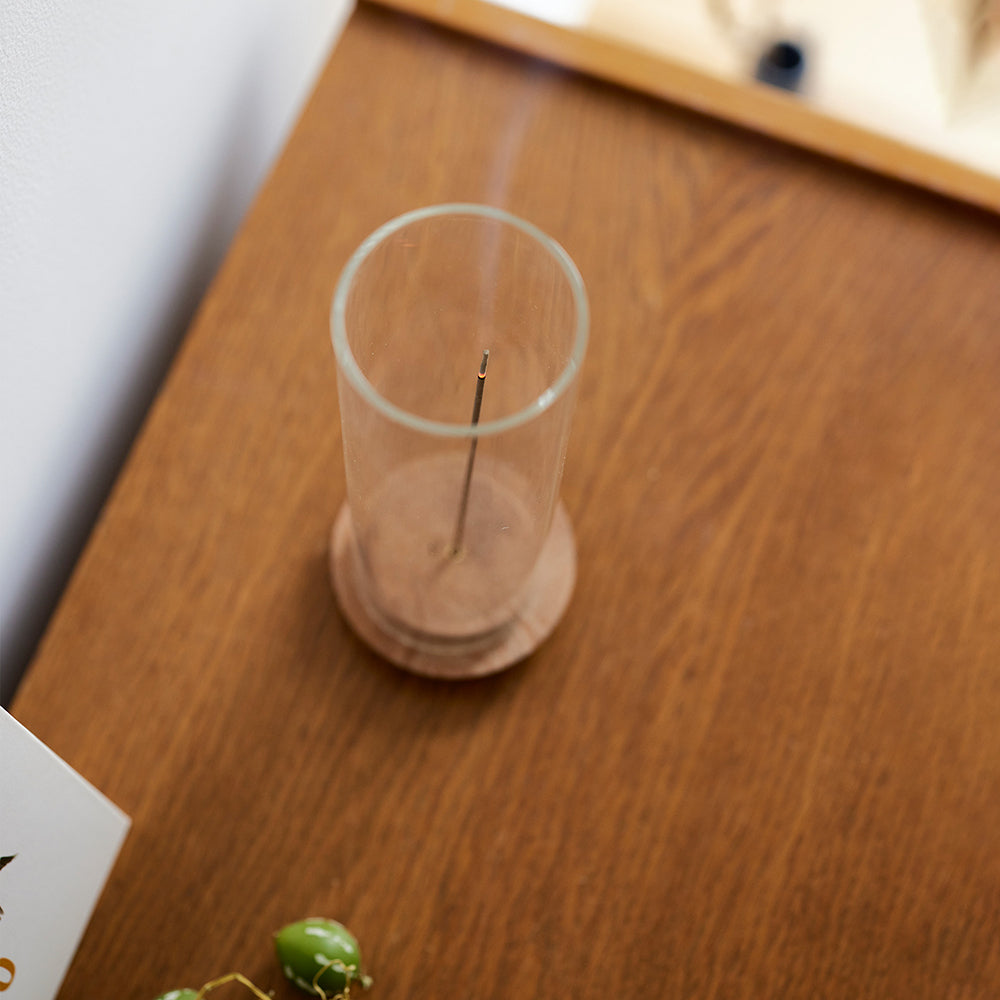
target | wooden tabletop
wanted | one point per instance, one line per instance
(759, 757)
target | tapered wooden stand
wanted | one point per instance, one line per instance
(545, 599)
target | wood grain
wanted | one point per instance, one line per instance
(759, 757)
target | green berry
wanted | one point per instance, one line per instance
(307, 946)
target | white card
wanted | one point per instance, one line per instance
(62, 837)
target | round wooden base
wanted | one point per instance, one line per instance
(546, 596)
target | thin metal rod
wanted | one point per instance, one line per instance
(463, 507)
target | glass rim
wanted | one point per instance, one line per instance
(352, 370)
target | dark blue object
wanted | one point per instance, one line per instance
(781, 65)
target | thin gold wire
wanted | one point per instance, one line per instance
(336, 963)
(339, 965)
(232, 977)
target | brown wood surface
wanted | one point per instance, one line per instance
(759, 757)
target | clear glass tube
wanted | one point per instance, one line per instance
(450, 508)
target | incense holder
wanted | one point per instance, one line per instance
(459, 332)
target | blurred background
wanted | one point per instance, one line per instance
(132, 138)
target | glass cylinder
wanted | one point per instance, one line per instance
(459, 332)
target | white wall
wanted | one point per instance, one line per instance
(132, 136)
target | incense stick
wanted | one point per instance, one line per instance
(463, 507)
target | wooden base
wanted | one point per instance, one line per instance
(546, 597)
